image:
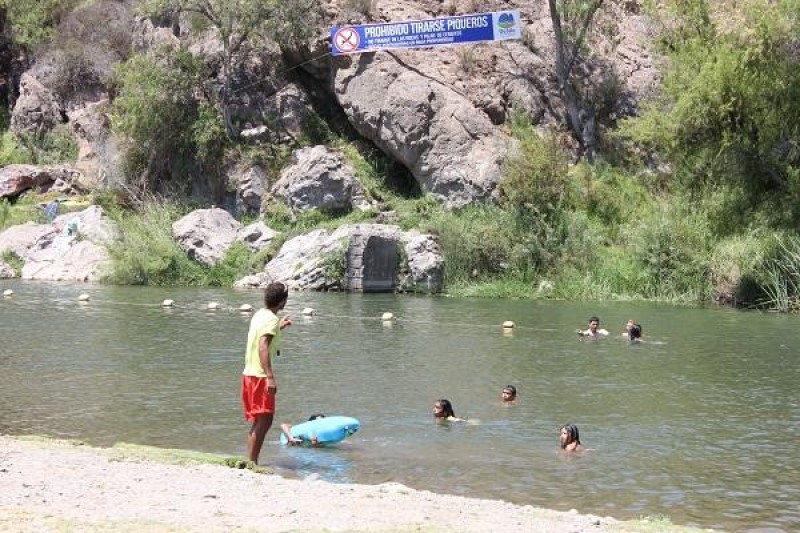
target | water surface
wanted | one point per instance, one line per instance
(700, 423)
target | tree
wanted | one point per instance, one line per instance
(237, 22)
(572, 20)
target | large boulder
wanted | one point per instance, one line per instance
(250, 183)
(206, 234)
(6, 271)
(319, 178)
(73, 248)
(256, 236)
(16, 179)
(36, 108)
(452, 149)
(355, 257)
(21, 238)
(98, 150)
(62, 259)
(425, 267)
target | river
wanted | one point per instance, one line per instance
(700, 422)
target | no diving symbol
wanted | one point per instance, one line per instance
(346, 40)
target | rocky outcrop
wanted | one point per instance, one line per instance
(6, 271)
(425, 268)
(356, 257)
(452, 149)
(206, 234)
(250, 183)
(21, 238)
(73, 248)
(98, 150)
(319, 178)
(16, 179)
(36, 108)
(256, 236)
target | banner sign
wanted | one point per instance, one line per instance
(463, 29)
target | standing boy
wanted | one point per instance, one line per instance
(258, 380)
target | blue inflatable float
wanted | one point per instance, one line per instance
(326, 430)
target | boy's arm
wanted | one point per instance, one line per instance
(287, 431)
(266, 363)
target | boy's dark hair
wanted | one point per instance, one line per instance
(314, 417)
(594, 319)
(275, 293)
(635, 331)
(511, 388)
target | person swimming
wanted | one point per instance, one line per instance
(443, 410)
(594, 331)
(299, 441)
(635, 334)
(509, 393)
(570, 438)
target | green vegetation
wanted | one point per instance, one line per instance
(696, 199)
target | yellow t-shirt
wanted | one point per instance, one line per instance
(264, 322)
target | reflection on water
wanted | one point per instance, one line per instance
(699, 423)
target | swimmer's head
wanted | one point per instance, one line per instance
(509, 393)
(314, 417)
(569, 434)
(635, 332)
(443, 409)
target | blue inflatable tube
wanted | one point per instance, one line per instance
(327, 430)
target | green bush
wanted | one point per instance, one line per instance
(147, 253)
(673, 247)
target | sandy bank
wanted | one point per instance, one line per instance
(50, 485)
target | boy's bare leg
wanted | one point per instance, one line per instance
(255, 438)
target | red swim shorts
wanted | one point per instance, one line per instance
(255, 398)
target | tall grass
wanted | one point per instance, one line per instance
(147, 253)
(782, 277)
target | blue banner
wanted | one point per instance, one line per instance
(474, 28)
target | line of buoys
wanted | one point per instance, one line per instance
(245, 308)
(508, 324)
(212, 306)
(83, 297)
(8, 293)
(167, 303)
(308, 311)
(387, 317)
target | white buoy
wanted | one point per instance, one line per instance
(387, 317)
(167, 303)
(212, 306)
(8, 292)
(83, 297)
(246, 308)
(508, 324)
(308, 311)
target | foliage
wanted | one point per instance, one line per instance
(673, 247)
(169, 131)
(32, 22)
(147, 253)
(781, 283)
(13, 260)
(730, 109)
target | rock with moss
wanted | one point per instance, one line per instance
(16, 179)
(256, 236)
(73, 249)
(36, 108)
(250, 183)
(319, 178)
(206, 234)
(6, 271)
(21, 238)
(356, 257)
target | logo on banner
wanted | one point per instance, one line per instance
(346, 40)
(507, 24)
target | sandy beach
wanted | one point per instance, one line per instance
(48, 485)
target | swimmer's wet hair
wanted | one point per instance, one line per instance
(314, 417)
